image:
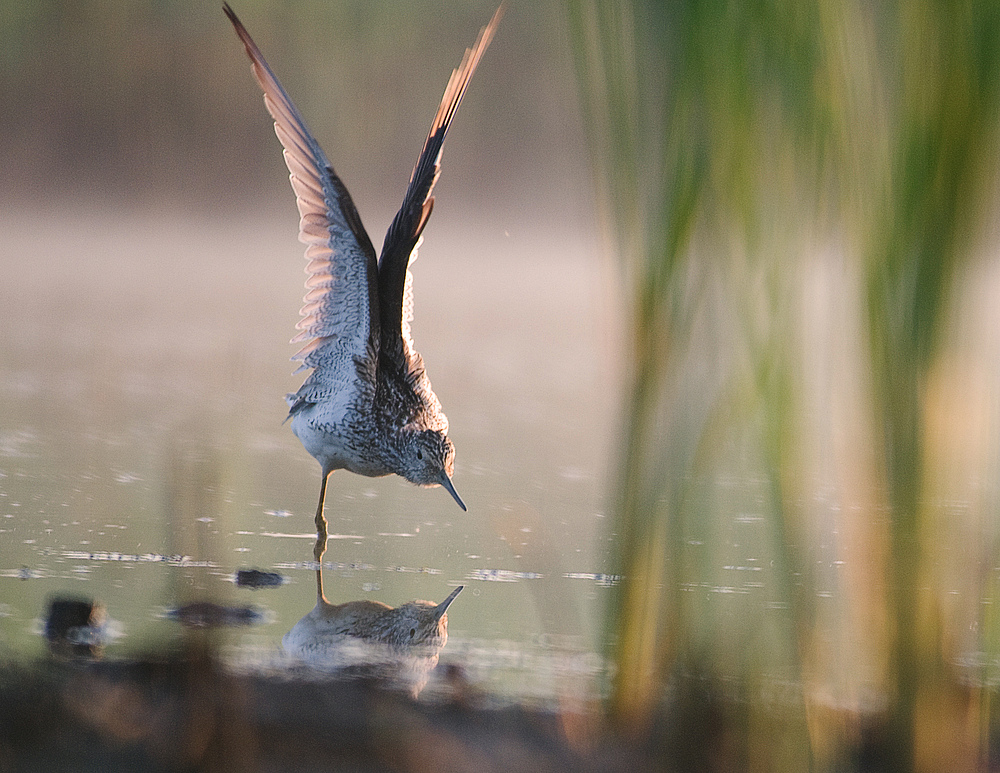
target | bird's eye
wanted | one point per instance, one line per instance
(420, 454)
(413, 632)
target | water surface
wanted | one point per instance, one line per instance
(143, 459)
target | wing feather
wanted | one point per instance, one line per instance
(403, 236)
(340, 315)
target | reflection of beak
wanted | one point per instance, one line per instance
(446, 482)
(441, 608)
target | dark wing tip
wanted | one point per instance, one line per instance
(252, 51)
(227, 9)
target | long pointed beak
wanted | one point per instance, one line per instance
(441, 608)
(446, 482)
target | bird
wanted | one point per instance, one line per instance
(367, 406)
(400, 645)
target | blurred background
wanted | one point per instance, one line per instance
(709, 297)
(144, 104)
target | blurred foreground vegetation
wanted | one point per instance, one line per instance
(803, 200)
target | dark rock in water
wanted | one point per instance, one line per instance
(207, 614)
(75, 626)
(256, 579)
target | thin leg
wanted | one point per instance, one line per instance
(318, 551)
(319, 582)
(321, 532)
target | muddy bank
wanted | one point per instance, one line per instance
(188, 713)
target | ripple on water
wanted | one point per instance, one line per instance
(135, 558)
(603, 580)
(502, 575)
(308, 535)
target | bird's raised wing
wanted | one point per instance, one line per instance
(403, 237)
(340, 316)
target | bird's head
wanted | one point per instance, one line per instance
(427, 458)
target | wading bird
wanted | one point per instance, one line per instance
(367, 406)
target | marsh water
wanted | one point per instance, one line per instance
(143, 460)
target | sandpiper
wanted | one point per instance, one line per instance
(367, 406)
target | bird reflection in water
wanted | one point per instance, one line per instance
(398, 646)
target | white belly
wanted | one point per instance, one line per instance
(330, 446)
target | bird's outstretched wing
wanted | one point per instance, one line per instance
(340, 316)
(403, 236)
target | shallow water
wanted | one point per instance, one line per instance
(143, 459)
